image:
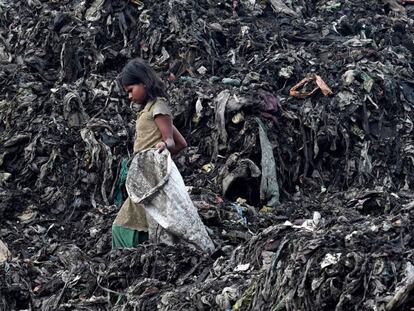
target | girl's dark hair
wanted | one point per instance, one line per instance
(138, 71)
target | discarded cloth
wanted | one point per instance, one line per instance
(269, 187)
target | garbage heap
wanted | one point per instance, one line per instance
(299, 117)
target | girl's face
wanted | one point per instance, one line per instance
(136, 92)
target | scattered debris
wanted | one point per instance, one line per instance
(311, 208)
(320, 85)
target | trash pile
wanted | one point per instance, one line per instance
(299, 119)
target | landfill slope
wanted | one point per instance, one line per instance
(299, 120)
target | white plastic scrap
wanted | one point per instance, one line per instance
(242, 267)
(330, 259)
(286, 72)
(308, 224)
(202, 70)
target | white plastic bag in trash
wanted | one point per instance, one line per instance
(154, 181)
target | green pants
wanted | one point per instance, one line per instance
(127, 238)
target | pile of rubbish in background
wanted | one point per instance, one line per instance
(299, 118)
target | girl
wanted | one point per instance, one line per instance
(154, 129)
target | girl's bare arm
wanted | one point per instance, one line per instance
(180, 142)
(172, 138)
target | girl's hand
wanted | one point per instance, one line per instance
(161, 146)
